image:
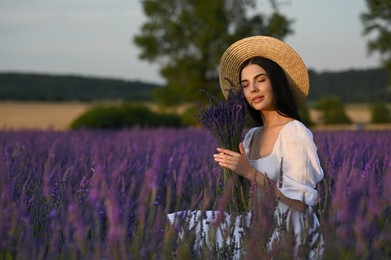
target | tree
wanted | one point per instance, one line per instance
(377, 20)
(187, 38)
(305, 115)
(333, 111)
(380, 113)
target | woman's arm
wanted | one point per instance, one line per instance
(238, 162)
(270, 186)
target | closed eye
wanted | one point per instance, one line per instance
(261, 77)
(244, 84)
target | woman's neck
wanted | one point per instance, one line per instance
(272, 118)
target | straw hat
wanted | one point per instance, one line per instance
(267, 47)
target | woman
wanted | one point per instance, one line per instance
(281, 152)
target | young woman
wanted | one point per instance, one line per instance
(274, 81)
(280, 155)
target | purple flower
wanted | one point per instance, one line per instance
(226, 122)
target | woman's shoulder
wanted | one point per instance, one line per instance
(248, 137)
(296, 129)
(251, 131)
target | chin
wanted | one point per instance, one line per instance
(262, 107)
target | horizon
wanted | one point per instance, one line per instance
(100, 77)
(95, 38)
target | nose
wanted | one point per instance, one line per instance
(254, 88)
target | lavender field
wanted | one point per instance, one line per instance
(105, 194)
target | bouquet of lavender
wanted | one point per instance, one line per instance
(226, 122)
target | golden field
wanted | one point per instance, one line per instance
(52, 115)
(39, 115)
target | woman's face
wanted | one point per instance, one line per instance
(257, 87)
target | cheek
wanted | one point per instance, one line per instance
(269, 90)
(246, 94)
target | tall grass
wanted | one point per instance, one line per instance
(105, 194)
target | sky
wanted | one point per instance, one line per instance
(95, 37)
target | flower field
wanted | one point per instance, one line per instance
(93, 194)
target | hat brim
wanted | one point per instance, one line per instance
(267, 47)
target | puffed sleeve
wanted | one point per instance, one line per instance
(247, 139)
(301, 168)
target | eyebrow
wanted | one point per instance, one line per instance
(256, 76)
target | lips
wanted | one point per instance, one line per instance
(257, 99)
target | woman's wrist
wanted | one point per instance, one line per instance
(252, 175)
(262, 181)
(257, 178)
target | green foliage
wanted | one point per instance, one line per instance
(18, 86)
(187, 39)
(377, 23)
(191, 116)
(333, 111)
(166, 97)
(380, 113)
(305, 115)
(125, 115)
(352, 86)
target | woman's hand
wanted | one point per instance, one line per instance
(239, 163)
(234, 161)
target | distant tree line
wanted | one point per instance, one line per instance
(41, 87)
(351, 86)
(128, 115)
(125, 116)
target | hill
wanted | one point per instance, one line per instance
(352, 86)
(21, 86)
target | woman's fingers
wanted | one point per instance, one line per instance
(221, 157)
(228, 152)
(234, 161)
(241, 148)
(226, 160)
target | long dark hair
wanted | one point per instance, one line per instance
(283, 100)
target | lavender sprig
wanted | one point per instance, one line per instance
(226, 121)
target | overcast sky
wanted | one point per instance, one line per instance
(94, 37)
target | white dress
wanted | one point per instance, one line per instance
(301, 172)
